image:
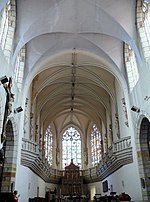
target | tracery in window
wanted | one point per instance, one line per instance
(96, 145)
(19, 68)
(4, 24)
(49, 145)
(146, 10)
(7, 27)
(71, 147)
(131, 67)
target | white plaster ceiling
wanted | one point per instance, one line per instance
(74, 49)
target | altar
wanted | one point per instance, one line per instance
(72, 183)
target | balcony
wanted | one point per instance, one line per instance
(118, 155)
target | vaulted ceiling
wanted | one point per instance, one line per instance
(74, 56)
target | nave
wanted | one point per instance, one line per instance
(74, 91)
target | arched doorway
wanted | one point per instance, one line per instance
(144, 158)
(9, 170)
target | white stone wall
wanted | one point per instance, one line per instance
(123, 180)
(27, 184)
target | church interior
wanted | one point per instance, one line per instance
(75, 100)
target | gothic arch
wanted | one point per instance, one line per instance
(7, 25)
(140, 18)
(143, 153)
(36, 26)
(1, 116)
(9, 170)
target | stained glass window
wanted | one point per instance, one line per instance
(71, 147)
(96, 147)
(49, 145)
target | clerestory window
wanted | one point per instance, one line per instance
(146, 10)
(131, 67)
(4, 24)
(7, 27)
(19, 68)
(143, 26)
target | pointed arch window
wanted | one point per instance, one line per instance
(19, 68)
(143, 26)
(71, 147)
(131, 67)
(96, 145)
(49, 145)
(146, 10)
(7, 27)
(4, 24)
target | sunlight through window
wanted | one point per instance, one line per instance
(49, 145)
(71, 147)
(96, 147)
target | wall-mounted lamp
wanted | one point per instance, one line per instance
(135, 109)
(18, 110)
(3, 79)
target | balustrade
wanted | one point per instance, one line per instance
(122, 144)
(30, 146)
(120, 153)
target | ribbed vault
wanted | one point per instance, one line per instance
(74, 59)
(78, 92)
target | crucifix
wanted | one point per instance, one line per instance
(7, 112)
(8, 106)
